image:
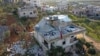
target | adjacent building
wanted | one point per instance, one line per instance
(27, 11)
(33, 2)
(62, 5)
(91, 11)
(79, 11)
(11, 1)
(57, 30)
(48, 8)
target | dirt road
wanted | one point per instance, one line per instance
(96, 44)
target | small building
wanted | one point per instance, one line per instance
(11, 1)
(79, 11)
(57, 30)
(62, 5)
(33, 2)
(48, 8)
(92, 11)
(27, 11)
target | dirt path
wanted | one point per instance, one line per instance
(96, 44)
(94, 20)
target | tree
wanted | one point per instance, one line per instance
(3, 49)
(7, 34)
(14, 28)
(3, 22)
(92, 51)
(80, 43)
(22, 35)
(29, 24)
(15, 11)
(56, 51)
(88, 45)
(2, 13)
(23, 19)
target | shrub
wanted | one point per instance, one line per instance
(23, 19)
(55, 51)
(88, 45)
(92, 51)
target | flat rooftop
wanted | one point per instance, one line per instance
(49, 32)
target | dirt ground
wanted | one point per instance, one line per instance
(13, 37)
(89, 39)
(96, 44)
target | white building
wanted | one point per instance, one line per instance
(33, 2)
(57, 30)
(62, 5)
(27, 11)
(48, 8)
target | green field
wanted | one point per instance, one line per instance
(92, 28)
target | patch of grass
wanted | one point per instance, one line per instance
(95, 37)
(92, 28)
(72, 17)
(87, 27)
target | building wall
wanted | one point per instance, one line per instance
(27, 13)
(68, 41)
(16, 1)
(38, 37)
(40, 40)
(64, 42)
(33, 2)
(11, 1)
(62, 5)
(60, 42)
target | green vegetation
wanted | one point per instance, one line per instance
(2, 13)
(86, 47)
(3, 21)
(6, 9)
(23, 19)
(56, 51)
(92, 27)
(92, 51)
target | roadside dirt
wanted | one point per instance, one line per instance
(96, 44)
